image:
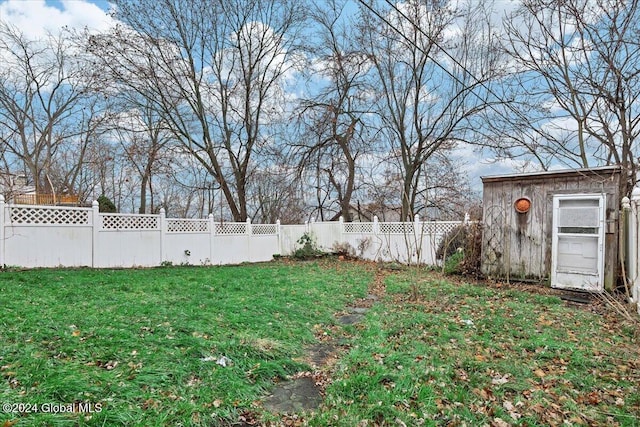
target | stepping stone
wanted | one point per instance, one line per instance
(319, 353)
(357, 310)
(298, 395)
(350, 319)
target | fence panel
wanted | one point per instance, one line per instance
(36, 236)
(51, 236)
(128, 240)
(326, 234)
(289, 235)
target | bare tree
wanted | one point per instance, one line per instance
(277, 195)
(426, 96)
(335, 129)
(215, 72)
(143, 136)
(578, 80)
(48, 114)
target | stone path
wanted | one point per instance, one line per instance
(302, 393)
(294, 396)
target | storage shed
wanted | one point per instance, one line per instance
(558, 227)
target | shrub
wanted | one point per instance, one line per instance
(453, 263)
(451, 242)
(308, 248)
(106, 205)
(472, 250)
(460, 250)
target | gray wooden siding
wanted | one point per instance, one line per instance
(518, 246)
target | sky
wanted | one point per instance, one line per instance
(36, 17)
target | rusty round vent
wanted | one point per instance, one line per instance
(522, 205)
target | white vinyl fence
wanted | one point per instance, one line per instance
(631, 233)
(53, 236)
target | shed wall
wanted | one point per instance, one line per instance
(518, 246)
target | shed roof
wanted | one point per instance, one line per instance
(564, 173)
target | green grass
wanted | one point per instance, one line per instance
(470, 355)
(144, 344)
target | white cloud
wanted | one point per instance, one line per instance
(37, 17)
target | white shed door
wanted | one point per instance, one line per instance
(577, 249)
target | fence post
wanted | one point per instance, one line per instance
(96, 225)
(2, 246)
(417, 232)
(212, 232)
(625, 246)
(249, 232)
(279, 236)
(341, 221)
(163, 231)
(634, 243)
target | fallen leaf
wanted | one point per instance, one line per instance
(217, 403)
(539, 373)
(499, 422)
(149, 403)
(499, 380)
(544, 321)
(593, 398)
(76, 333)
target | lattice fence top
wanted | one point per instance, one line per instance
(231, 228)
(430, 227)
(187, 225)
(129, 222)
(358, 227)
(264, 229)
(50, 216)
(440, 227)
(395, 227)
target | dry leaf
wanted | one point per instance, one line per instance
(499, 422)
(544, 322)
(217, 403)
(499, 380)
(539, 373)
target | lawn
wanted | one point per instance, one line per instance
(149, 345)
(463, 354)
(203, 346)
